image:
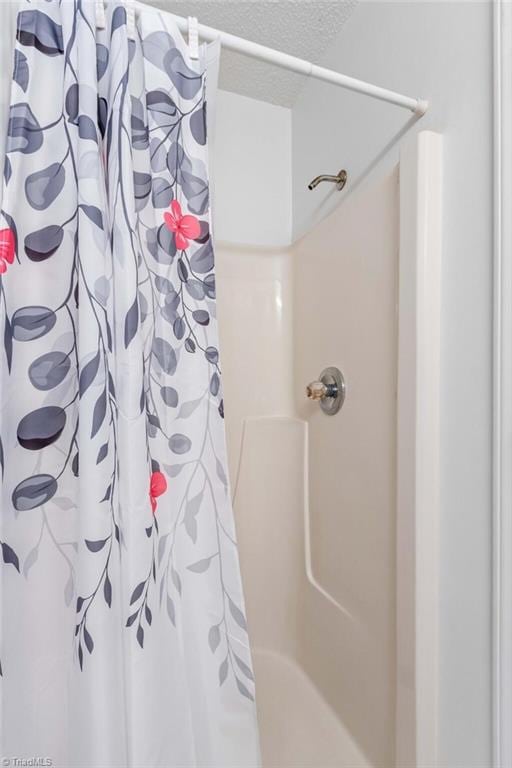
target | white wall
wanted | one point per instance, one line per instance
(441, 51)
(252, 160)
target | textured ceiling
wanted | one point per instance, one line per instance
(303, 28)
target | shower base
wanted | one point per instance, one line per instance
(298, 729)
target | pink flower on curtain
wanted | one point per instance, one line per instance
(157, 486)
(7, 249)
(185, 228)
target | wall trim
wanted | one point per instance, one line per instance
(502, 393)
(418, 451)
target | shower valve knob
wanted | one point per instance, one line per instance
(328, 391)
(317, 390)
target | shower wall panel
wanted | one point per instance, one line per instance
(254, 289)
(345, 297)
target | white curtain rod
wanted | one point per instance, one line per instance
(294, 64)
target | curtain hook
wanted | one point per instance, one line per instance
(193, 37)
(101, 21)
(130, 18)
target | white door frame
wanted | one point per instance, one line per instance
(502, 395)
(418, 450)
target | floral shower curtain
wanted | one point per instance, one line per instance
(123, 640)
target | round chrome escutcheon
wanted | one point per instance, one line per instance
(329, 391)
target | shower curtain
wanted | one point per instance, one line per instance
(123, 639)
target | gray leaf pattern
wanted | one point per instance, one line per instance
(29, 323)
(24, 133)
(49, 370)
(21, 72)
(37, 29)
(42, 187)
(43, 243)
(41, 427)
(33, 492)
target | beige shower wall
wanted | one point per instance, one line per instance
(255, 314)
(345, 279)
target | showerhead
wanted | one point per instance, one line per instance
(316, 181)
(340, 180)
